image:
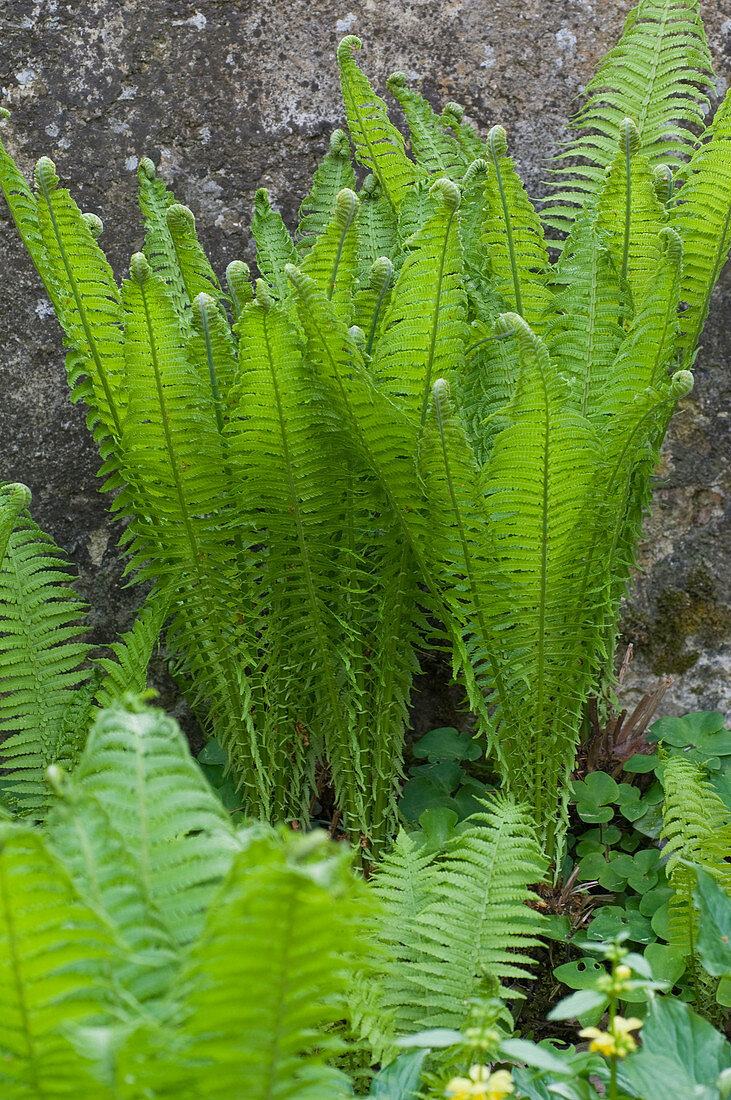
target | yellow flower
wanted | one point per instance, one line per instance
(481, 1085)
(617, 1041)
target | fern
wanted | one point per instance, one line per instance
(51, 941)
(334, 173)
(454, 918)
(702, 217)
(652, 76)
(433, 143)
(696, 830)
(42, 659)
(379, 146)
(126, 671)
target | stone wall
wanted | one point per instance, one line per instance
(229, 95)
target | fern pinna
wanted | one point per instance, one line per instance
(414, 417)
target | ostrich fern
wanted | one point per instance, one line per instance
(414, 416)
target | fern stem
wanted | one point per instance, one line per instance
(508, 231)
(435, 323)
(376, 315)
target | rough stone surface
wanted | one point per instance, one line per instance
(230, 95)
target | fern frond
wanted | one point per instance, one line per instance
(293, 492)
(454, 919)
(377, 227)
(371, 303)
(382, 434)
(239, 287)
(195, 268)
(433, 143)
(379, 146)
(212, 350)
(536, 485)
(424, 330)
(90, 313)
(127, 670)
(24, 210)
(334, 172)
(331, 263)
(651, 76)
(649, 348)
(155, 200)
(267, 980)
(513, 235)
(14, 499)
(630, 213)
(583, 332)
(469, 140)
(52, 952)
(702, 217)
(137, 766)
(274, 246)
(42, 661)
(143, 956)
(696, 830)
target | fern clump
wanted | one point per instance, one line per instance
(413, 416)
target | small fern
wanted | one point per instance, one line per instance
(455, 918)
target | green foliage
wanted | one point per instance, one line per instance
(455, 919)
(419, 419)
(42, 657)
(149, 949)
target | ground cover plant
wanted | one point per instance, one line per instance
(412, 428)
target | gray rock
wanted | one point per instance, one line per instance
(226, 97)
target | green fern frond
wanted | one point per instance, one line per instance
(649, 349)
(334, 172)
(379, 146)
(293, 493)
(240, 289)
(381, 432)
(42, 661)
(696, 830)
(651, 76)
(433, 143)
(469, 140)
(142, 957)
(456, 918)
(212, 350)
(24, 210)
(583, 332)
(377, 228)
(175, 462)
(702, 217)
(195, 268)
(371, 303)
(331, 263)
(424, 330)
(536, 485)
(513, 236)
(127, 670)
(14, 499)
(155, 200)
(274, 246)
(137, 766)
(267, 980)
(52, 951)
(90, 311)
(630, 214)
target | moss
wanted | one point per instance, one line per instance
(680, 613)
